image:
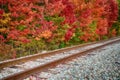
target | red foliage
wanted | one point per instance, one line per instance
(1, 13)
(102, 30)
(102, 27)
(54, 8)
(68, 12)
(2, 39)
(113, 12)
(85, 37)
(13, 34)
(27, 18)
(68, 35)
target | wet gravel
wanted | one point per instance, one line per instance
(102, 64)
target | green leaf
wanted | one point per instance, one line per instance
(62, 45)
(21, 27)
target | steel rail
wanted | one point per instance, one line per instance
(28, 72)
(12, 62)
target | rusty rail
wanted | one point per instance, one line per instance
(52, 64)
(13, 62)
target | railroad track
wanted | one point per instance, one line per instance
(21, 68)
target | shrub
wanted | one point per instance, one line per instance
(30, 25)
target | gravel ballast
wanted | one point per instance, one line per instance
(7, 71)
(102, 64)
